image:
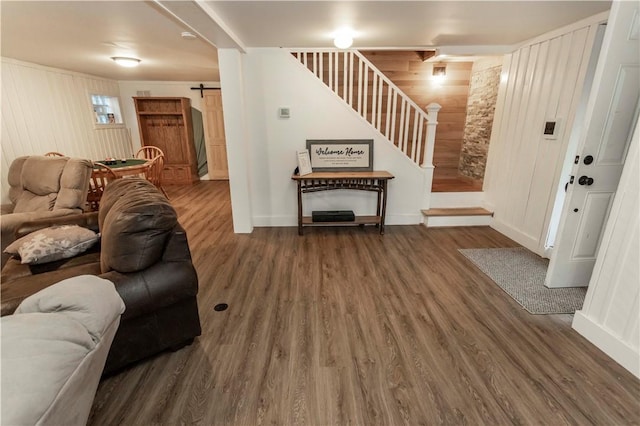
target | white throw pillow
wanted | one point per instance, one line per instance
(55, 243)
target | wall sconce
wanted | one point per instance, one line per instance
(439, 70)
(126, 62)
(439, 73)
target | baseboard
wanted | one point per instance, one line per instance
(517, 236)
(291, 220)
(608, 343)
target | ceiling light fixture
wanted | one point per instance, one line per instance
(126, 62)
(188, 35)
(343, 38)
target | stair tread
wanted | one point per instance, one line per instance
(458, 211)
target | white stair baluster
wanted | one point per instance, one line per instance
(388, 120)
(414, 138)
(378, 124)
(374, 104)
(401, 125)
(365, 90)
(331, 71)
(393, 118)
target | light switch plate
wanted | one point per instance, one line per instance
(284, 112)
(551, 128)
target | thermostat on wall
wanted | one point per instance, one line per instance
(551, 128)
(284, 112)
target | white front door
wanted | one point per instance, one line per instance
(612, 113)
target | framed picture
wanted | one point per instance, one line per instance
(341, 155)
(304, 163)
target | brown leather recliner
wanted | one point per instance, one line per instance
(144, 252)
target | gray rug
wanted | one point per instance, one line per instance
(520, 273)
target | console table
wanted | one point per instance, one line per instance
(375, 181)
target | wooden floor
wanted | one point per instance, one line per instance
(345, 326)
(447, 181)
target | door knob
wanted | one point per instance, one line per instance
(585, 180)
(588, 159)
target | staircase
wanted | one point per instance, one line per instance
(375, 98)
(355, 80)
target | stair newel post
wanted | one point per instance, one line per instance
(432, 122)
(427, 152)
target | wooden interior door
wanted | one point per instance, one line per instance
(214, 135)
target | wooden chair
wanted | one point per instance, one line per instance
(149, 152)
(53, 154)
(100, 177)
(154, 173)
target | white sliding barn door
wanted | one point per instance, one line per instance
(609, 123)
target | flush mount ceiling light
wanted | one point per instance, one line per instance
(126, 62)
(343, 38)
(188, 35)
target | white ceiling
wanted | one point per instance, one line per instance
(83, 35)
(399, 23)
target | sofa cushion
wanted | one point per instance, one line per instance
(137, 224)
(90, 300)
(14, 179)
(29, 202)
(74, 184)
(40, 183)
(116, 190)
(53, 351)
(54, 243)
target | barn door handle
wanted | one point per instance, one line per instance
(585, 180)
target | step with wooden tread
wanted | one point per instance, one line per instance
(458, 216)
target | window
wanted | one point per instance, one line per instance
(106, 110)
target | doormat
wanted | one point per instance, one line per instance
(520, 273)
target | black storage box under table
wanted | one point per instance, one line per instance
(333, 216)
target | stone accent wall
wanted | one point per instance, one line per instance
(481, 104)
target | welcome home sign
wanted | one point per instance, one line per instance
(341, 155)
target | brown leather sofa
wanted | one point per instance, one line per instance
(144, 252)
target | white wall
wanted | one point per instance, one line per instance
(542, 81)
(236, 124)
(274, 79)
(181, 89)
(610, 317)
(47, 109)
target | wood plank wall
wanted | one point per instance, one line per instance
(545, 80)
(48, 109)
(415, 78)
